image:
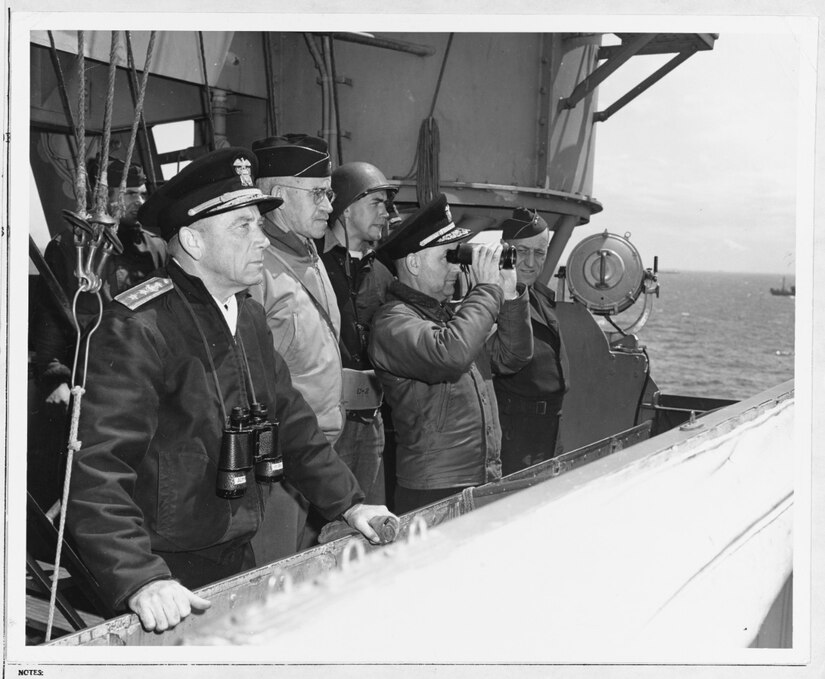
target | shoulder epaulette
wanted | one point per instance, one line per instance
(143, 292)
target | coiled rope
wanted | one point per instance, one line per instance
(428, 150)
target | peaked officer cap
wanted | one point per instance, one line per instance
(217, 182)
(429, 227)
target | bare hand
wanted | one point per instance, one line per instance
(508, 281)
(60, 395)
(485, 263)
(358, 516)
(162, 604)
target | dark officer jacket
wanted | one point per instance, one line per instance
(436, 367)
(548, 373)
(151, 427)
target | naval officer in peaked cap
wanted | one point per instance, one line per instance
(436, 363)
(172, 358)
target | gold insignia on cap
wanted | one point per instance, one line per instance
(455, 234)
(226, 200)
(447, 213)
(440, 232)
(244, 170)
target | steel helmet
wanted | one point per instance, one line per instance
(352, 181)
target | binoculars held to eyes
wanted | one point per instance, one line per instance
(250, 439)
(463, 254)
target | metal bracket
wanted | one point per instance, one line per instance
(385, 43)
(344, 134)
(601, 116)
(591, 82)
(339, 79)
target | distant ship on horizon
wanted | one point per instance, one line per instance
(783, 291)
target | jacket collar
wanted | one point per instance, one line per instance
(330, 242)
(426, 305)
(333, 241)
(544, 291)
(287, 241)
(193, 287)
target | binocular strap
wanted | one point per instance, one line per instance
(209, 358)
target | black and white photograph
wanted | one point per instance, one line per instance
(413, 340)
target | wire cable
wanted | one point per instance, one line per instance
(208, 96)
(335, 106)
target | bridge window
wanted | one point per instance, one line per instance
(171, 141)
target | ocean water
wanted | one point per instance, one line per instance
(721, 335)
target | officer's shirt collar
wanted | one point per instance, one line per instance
(229, 309)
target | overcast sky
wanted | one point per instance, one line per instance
(701, 168)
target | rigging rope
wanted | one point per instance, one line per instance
(102, 186)
(80, 180)
(138, 116)
(73, 445)
(441, 73)
(62, 89)
(77, 392)
(147, 160)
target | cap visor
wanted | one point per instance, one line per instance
(265, 204)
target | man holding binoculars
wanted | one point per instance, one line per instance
(189, 414)
(436, 364)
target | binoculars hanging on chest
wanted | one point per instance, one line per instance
(250, 440)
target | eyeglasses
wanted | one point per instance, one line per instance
(318, 194)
